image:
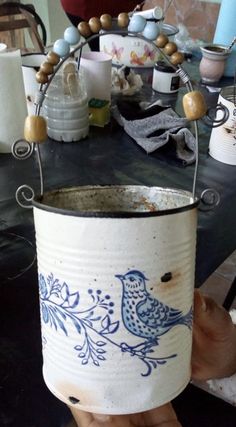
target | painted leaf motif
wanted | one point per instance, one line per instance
(100, 350)
(100, 343)
(45, 313)
(78, 347)
(65, 291)
(113, 327)
(106, 322)
(73, 300)
(59, 321)
(76, 323)
(82, 355)
(100, 357)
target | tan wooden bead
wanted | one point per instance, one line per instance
(95, 24)
(177, 58)
(84, 29)
(123, 20)
(161, 40)
(47, 68)
(194, 105)
(106, 21)
(41, 77)
(53, 58)
(35, 129)
(170, 48)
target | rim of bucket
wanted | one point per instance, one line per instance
(38, 202)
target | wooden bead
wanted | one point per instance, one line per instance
(53, 58)
(123, 20)
(106, 21)
(35, 129)
(46, 68)
(41, 77)
(161, 40)
(84, 29)
(194, 105)
(170, 48)
(177, 58)
(95, 25)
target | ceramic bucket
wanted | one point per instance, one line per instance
(116, 280)
(222, 146)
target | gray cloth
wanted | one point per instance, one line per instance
(168, 124)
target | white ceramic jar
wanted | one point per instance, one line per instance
(66, 108)
(165, 79)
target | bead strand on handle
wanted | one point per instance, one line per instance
(35, 127)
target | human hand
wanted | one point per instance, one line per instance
(214, 340)
(159, 417)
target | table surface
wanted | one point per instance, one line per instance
(108, 156)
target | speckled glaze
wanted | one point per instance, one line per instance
(116, 279)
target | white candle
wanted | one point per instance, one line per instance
(12, 100)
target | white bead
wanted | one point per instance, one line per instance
(71, 35)
(61, 47)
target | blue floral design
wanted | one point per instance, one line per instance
(59, 306)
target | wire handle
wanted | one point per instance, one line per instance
(22, 149)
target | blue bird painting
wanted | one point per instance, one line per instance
(145, 316)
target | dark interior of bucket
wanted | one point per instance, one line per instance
(117, 199)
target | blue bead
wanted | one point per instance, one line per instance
(137, 23)
(61, 47)
(71, 35)
(151, 30)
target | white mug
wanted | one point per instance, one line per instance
(96, 68)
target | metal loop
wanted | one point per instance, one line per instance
(22, 149)
(210, 118)
(209, 198)
(25, 194)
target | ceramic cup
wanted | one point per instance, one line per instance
(116, 280)
(30, 65)
(213, 62)
(96, 68)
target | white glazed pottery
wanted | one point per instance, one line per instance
(30, 65)
(222, 146)
(116, 280)
(132, 51)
